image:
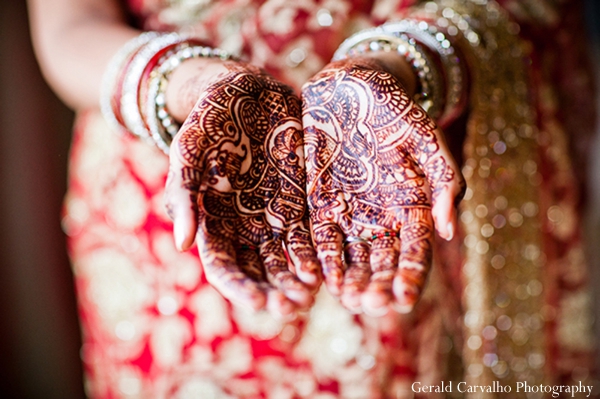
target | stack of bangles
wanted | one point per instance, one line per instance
(134, 84)
(133, 89)
(439, 70)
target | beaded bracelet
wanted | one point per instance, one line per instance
(161, 124)
(376, 39)
(409, 37)
(436, 41)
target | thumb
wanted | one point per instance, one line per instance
(181, 194)
(444, 213)
(448, 188)
(429, 148)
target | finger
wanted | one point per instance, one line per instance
(384, 260)
(279, 274)
(217, 253)
(444, 212)
(328, 243)
(249, 262)
(279, 305)
(288, 210)
(428, 146)
(181, 191)
(303, 256)
(357, 275)
(448, 190)
(180, 202)
(416, 236)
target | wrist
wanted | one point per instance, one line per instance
(398, 66)
(136, 80)
(188, 81)
(437, 69)
(405, 58)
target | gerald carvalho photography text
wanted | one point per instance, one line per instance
(520, 386)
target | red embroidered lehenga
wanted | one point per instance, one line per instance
(508, 299)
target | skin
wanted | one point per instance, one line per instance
(375, 164)
(237, 183)
(75, 40)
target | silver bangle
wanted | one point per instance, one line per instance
(379, 38)
(436, 41)
(130, 109)
(112, 74)
(409, 34)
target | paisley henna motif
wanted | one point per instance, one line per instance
(375, 161)
(240, 155)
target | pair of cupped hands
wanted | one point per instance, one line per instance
(342, 186)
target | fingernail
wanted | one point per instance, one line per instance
(406, 303)
(334, 283)
(403, 309)
(309, 275)
(450, 228)
(376, 312)
(298, 295)
(179, 235)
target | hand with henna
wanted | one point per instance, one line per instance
(375, 162)
(237, 185)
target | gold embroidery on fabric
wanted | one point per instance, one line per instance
(504, 338)
(332, 338)
(182, 12)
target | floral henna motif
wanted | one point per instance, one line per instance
(240, 156)
(375, 161)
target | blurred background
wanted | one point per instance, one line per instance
(39, 334)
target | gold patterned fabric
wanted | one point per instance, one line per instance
(502, 270)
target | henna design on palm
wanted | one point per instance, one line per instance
(239, 157)
(375, 164)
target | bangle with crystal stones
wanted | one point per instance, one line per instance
(378, 39)
(161, 124)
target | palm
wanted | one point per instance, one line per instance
(240, 156)
(373, 160)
